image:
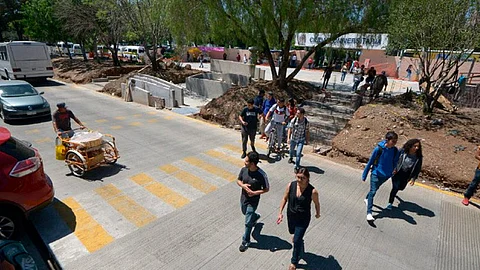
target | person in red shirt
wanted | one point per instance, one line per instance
(292, 109)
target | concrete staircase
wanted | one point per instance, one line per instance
(328, 116)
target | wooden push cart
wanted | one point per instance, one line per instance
(86, 150)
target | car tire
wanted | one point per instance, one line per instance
(2, 115)
(11, 224)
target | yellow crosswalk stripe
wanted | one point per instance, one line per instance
(154, 120)
(92, 235)
(116, 127)
(189, 178)
(224, 157)
(161, 191)
(44, 140)
(125, 205)
(32, 131)
(232, 147)
(135, 124)
(101, 120)
(120, 117)
(210, 168)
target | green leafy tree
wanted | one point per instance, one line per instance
(268, 24)
(11, 18)
(147, 20)
(78, 22)
(443, 33)
(40, 22)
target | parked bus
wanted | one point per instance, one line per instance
(25, 60)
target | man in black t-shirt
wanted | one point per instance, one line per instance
(253, 182)
(249, 119)
(61, 121)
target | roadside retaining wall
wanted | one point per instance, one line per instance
(213, 85)
(149, 89)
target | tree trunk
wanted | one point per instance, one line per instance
(114, 51)
(271, 62)
(68, 50)
(84, 54)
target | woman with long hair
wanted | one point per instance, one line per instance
(408, 167)
(299, 195)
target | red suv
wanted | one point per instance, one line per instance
(24, 186)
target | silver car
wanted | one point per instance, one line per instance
(19, 100)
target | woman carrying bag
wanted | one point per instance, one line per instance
(408, 167)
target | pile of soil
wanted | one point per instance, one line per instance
(79, 71)
(225, 109)
(449, 140)
(170, 73)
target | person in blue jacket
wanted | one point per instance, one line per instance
(382, 162)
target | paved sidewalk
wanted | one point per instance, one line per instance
(427, 230)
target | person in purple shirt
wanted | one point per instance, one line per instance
(267, 104)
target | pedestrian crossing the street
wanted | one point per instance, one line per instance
(114, 210)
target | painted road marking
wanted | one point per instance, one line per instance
(32, 131)
(137, 115)
(125, 205)
(116, 127)
(101, 120)
(188, 178)
(44, 140)
(120, 117)
(211, 168)
(135, 124)
(92, 235)
(168, 117)
(152, 113)
(154, 120)
(161, 191)
(232, 147)
(224, 157)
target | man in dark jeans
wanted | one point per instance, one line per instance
(474, 184)
(249, 119)
(253, 182)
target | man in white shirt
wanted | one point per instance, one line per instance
(279, 113)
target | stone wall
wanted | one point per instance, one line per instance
(213, 85)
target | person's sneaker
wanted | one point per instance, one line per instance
(290, 160)
(365, 201)
(370, 217)
(243, 247)
(244, 155)
(389, 206)
(465, 201)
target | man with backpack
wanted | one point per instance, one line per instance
(383, 162)
(298, 136)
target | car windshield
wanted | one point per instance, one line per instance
(17, 90)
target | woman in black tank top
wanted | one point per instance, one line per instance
(299, 195)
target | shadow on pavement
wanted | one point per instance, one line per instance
(316, 262)
(474, 204)
(103, 171)
(46, 83)
(268, 242)
(26, 122)
(55, 221)
(314, 169)
(399, 211)
(267, 159)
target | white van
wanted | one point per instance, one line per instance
(132, 52)
(25, 60)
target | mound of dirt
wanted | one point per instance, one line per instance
(448, 140)
(225, 109)
(79, 71)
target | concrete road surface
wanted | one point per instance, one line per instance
(171, 202)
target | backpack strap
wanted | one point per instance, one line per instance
(379, 153)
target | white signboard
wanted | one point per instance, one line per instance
(348, 41)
